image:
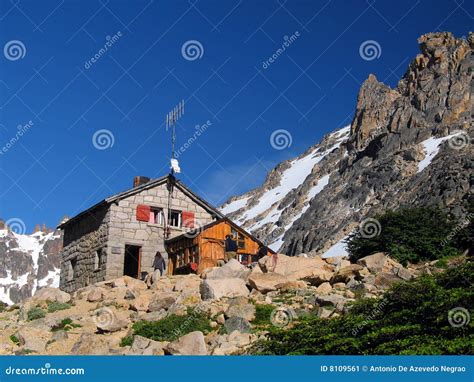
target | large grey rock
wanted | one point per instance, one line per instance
(218, 288)
(232, 269)
(191, 344)
(246, 311)
(266, 282)
(162, 300)
(237, 323)
(34, 339)
(50, 294)
(145, 346)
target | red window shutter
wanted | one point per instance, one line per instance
(143, 213)
(188, 219)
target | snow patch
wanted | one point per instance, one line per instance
(337, 250)
(234, 205)
(431, 147)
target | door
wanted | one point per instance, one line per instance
(211, 252)
(131, 264)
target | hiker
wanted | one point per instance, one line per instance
(274, 261)
(230, 248)
(159, 267)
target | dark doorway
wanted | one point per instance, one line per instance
(131, 264)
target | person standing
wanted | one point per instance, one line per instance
(159, 266)
(230, 248)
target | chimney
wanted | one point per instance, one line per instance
(139, 180)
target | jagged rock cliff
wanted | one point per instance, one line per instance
(27, 262)
(408, 146)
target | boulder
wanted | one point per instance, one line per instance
(90, 344)
(50, 294)
(296, 268)
(346, 273)
(162, 300)
(373, 263)
(246, 311)
(266, 282)
(292, 285)
(335, 300)
(191, 344)
(231, 269)
(107, 320)
(218, 288)
(188, 284)
(95, 294)
(384, 280)
(324, 289)
(129, 282)
(141, 303)
(145, 346)
(237, 323)
(34, 339)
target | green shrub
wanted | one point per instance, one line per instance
(35, 313)
(14, 339)
(173, 326)
(412, 317)
(408, 235)
(263, 314)
(126, 341)
(3, 306)
(55, 306)
(65, 324)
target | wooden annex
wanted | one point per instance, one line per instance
(198, 250)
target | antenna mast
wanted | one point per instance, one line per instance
(171, 120)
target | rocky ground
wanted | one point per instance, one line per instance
(96, 319)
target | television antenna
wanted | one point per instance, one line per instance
(171, 119)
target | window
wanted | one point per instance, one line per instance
(71, 269)
(175, 218)
(98, 259)
(157, 216)
(238, 237)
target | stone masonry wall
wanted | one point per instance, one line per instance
(81, 241)
(125, 229)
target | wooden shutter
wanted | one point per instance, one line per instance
(143, 213)
(188, 219)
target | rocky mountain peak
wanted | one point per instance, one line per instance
(407, 146)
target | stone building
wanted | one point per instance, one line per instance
(121, 234)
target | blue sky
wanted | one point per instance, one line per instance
(55, 169)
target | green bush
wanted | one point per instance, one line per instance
(408, 235)
(126, 341)
(55, 306)
(412, 317)
(14, 339)
(3, 306)
(173, 326)
(35, 313)
(65, 324)
(263, 314)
